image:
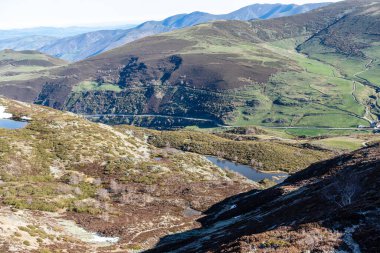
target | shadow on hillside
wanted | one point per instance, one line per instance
(170, 242)
(315, 195)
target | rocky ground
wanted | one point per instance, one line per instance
(69, 184)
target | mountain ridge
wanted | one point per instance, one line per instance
(85, 45)
(57, 32)
(233, 72)
(202, 62)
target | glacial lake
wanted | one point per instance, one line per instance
(12, 124)
(247, 171)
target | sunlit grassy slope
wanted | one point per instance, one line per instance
(24, 65)
(312, 88)
(319, 69)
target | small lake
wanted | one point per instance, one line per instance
(12, 124)
(247, 171)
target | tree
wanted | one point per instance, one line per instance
(343, 190)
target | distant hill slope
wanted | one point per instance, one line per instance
(89, 44)
(28, 58)
(36, 38)
(26, 43)
(267, 11)
(57, 32)
(278, 72)
(330, 206)
(21, 66)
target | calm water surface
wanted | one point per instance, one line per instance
(12, 124)
(247, 171)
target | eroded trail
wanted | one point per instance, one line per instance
(367, 116)
(353, 92)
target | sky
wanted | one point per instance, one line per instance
(63, 13)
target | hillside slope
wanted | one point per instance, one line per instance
(57, 32)
(264, 155)
(62, 174)
(330, 206)
(33, 42)
(263, 72)
(21, 66)
(245, 72)
(89, 44)
(38, 37)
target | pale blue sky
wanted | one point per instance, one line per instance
(32, 13)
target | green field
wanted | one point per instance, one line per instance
(26, 65)
(325, 93)
(342, 143)
(89, 85)
(321, 132)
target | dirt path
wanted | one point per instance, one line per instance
(367, 67)
(367, 108)
(367, 114)
(353, 92)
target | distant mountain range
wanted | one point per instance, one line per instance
(36, 38)
(30, 42)
(230, 72)
(86, 44)
(57, 32)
